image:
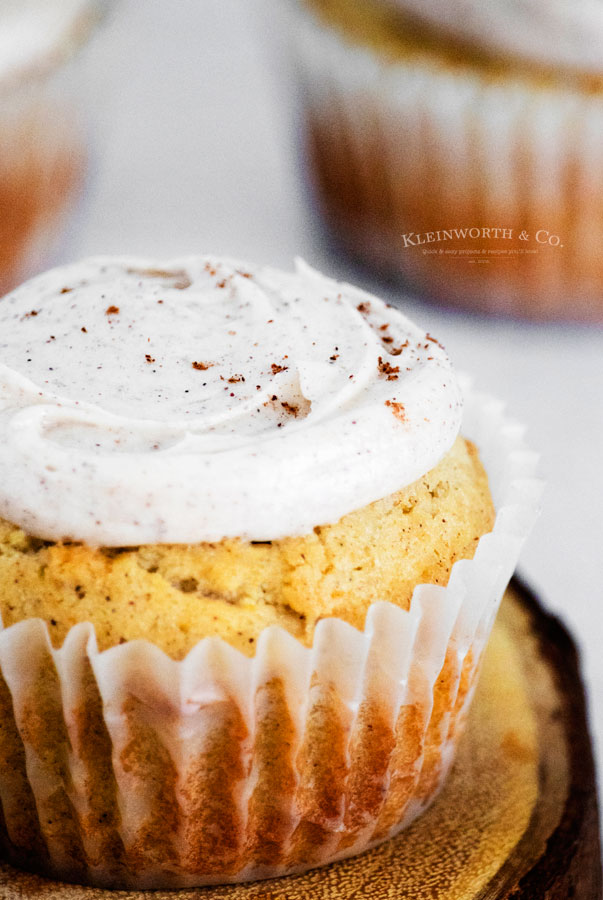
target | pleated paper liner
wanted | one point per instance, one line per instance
(480, 189)
(128, 769)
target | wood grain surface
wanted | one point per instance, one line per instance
(517, 818)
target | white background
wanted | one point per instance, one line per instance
(195, 138)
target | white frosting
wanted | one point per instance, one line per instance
(220, 400)
(566, 33)
(33, 32)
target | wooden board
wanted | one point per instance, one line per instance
(517, 818)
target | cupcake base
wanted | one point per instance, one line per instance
(43, 152)
(128, 769)
(37, 196)
(479, 186)
(500, 276)
(493, 816)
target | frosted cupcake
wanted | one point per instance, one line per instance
(42, 145)
(248, 566)
(460, 146)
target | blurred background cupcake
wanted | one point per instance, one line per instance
(460, 146)
(42, 142)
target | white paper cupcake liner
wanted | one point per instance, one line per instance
(128, 769)
(420, 144)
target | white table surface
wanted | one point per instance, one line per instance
(196, 152)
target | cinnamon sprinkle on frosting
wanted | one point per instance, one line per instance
(397, 409)
(386, 368)
(290, 408)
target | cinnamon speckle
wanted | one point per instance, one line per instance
(201, 366)
(434, 340)
(386, 368)
(396, 351)
(178, 278)
(290, 408)
(397, 409)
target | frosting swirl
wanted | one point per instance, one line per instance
(564, 33)
(203, 398)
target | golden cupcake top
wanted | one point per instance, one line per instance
(566, 49)
(562, 33)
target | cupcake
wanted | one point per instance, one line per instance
(252, 541)
(459, 146)
(42, 145)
